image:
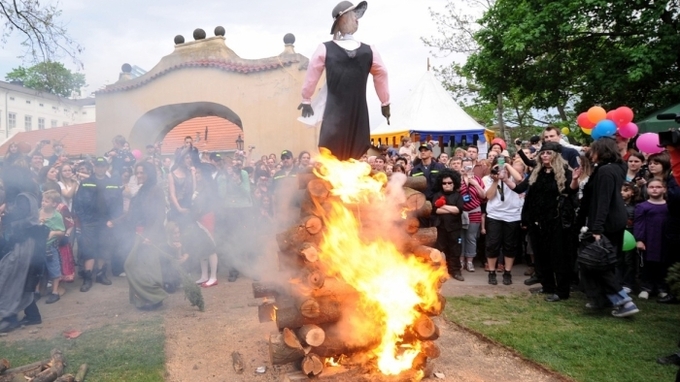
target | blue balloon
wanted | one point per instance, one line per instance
(595, 134)
(604, 128)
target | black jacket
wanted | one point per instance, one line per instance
(449, 222)
(602, 200)
(430, 173)
(98, 201)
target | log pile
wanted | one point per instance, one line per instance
(307, 308)
(48, 370)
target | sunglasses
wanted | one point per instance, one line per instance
(447, 183)
(547, 152)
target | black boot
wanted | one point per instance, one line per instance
(87, 281)
(101, 277)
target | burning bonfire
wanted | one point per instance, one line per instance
(364, 280)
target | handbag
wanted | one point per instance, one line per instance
(596, 255)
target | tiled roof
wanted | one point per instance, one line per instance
(242, 66)
(222, 135)
(77, 139)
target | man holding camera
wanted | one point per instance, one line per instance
(120, 157)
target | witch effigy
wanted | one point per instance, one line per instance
(345, 129)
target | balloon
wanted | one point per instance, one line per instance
(629, 130)
(628, 241)
(623, 115)
(566, 131)
(604, 128)
(584, 122)
(137, 154)
(611, 115)
(596, 114)
(596, 134)
(500, 142)
(586, 131)
(649, 143)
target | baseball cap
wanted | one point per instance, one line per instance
(286, 154)
(425, 146)
(100, 161)
(215, 157)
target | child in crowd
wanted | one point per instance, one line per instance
(52, 219)
(650, 217)
(629, 268)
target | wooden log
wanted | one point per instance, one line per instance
(291, 317)
(333, 346)
(66, 378)
(425, 329)
(55, 370)
(280, 353)
(261, 289)
(318, 189)
(304, 177)
(414, 199)
(290, 339)
(309, 252)
(311, 365)
(309, 308)
(430, 350)
(311, 335)
(313, 224)
(428, 254)
(266, 312)
(436, 308)
(4, 365)
(237, 362)
(30, 371)
(411, 225)
(418, 183)
(306, 231)
(314, 278)
(425, 211)
(82, 372)
(426, 236)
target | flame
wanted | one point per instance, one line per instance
(391, 285)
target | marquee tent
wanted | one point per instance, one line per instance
(651, 124)
(429, 110)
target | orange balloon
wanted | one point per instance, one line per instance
(596, 114)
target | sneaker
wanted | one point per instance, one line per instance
(26, 322)
(662, 294)
(492, 278)
(458, 276)
(626, 310)
(52, 298)
(552, 298)
(507, 278)
(644, 295)
(532, 280)
(627, 290)
(122, 275)
(470, 266)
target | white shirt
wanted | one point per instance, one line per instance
(509, 209)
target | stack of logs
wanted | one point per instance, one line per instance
(48, 370)
(308, 306)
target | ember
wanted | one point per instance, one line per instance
(358, 292)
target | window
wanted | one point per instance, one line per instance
(65, 123)
(12, 120)
(53, 123)
(28, 123)
(41, 123)
(11, 98)
(28, 102)
(54, 108)
(66, 110)
(84, 113)
(41, 105)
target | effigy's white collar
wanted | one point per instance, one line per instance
(347, 42)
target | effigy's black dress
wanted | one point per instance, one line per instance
(345, 129)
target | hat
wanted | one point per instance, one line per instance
(100, 161)
(425, 146)
(553, 146)
(344, 7)
(286, 154)
(215, 157)
(534, 140)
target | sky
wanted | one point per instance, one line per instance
(141, 32)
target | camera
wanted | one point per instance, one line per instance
(468, 168)
(518, 142)
(494, 170)
(642, 172)
(669, 138)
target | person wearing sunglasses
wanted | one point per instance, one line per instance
(448, 208)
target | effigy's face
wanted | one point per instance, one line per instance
(349, 23)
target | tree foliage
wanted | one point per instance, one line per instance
(45, 37)
(51, 77)
(563, 52)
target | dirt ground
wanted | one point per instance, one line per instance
(199, 344)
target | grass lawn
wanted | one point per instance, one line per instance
(126, 352)
(567, 338)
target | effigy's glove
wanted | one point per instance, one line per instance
(307, 110)
(386, 112)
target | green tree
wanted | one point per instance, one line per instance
(44, 36)
(51, 77)
(569, 52)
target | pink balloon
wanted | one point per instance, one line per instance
(584, 122)
(623, 115)
(137, 154)
(649, 143)
(629, 130)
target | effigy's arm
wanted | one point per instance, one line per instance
(316, 66)
(379, 72)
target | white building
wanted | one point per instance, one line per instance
(24, 109)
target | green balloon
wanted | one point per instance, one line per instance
(628, 241)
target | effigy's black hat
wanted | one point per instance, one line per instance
(344, 7)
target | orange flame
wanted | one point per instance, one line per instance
(391, 284)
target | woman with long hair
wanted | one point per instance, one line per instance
(12, 154)
(68, 182)
(142, 266)
(606, 213)
(448, 209)
(181, 188)
(544, 216)
(659, 168)
(635, 167)
(304, 160)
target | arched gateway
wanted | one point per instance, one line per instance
(206, 78)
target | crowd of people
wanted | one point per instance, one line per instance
(146, 217)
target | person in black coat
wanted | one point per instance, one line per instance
(447, 209)
(603, 205)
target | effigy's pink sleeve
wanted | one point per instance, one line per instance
(314, 69)
(379, 72)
